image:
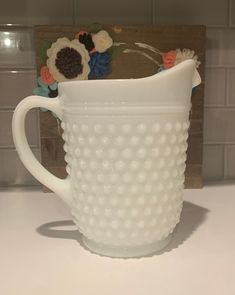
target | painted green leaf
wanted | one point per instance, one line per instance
(43, 45)
(95, 28)
(115, 51)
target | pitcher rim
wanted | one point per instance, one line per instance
(158, 74)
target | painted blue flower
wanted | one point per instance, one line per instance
(161, 69)
(194, 90)
(45, 90)
(99, 65)
(42, 89)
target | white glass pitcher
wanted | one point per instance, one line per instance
(125, 144)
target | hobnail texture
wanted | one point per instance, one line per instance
(127, 176)
(125, 144)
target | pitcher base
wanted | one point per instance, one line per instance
(126, 252)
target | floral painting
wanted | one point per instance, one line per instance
(77, 52)
(84, 57)
(89, 55)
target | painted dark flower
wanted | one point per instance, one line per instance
(53, 90)
(86, 39)
(68, 60)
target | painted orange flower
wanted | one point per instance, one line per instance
(46, 76)
(169, 59)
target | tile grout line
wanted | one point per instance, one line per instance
(209, 67)
(224, 161)
(10, 109)
(219, 143)
(219, 67)
(227, 147)
(227, 89)
(225, 27)
(75, 9)
(230, 25)
(217, 106)
(12, 148)
(224, 107)
(210, 144)
(153, 12)
(17, 70)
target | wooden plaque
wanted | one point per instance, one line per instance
(164, 38)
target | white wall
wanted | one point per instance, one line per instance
(19, 71)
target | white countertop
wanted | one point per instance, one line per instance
(40, 253)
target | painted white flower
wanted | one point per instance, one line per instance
(102, 41)
(185, 54)
(68, 60)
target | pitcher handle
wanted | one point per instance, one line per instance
(60, 186)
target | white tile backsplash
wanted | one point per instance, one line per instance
(220, 48)
(219, 125)
(215, 87)
(15, 85)
(230, 161)
(232, 13)
(16, 52)
(231, 88)
(114, 12)
(33, 12)
(213, 162)
(6, 139)
(209, 12)
(16, 48)
(12, 170)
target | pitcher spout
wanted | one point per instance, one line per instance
(174, 86)
(186, 70)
